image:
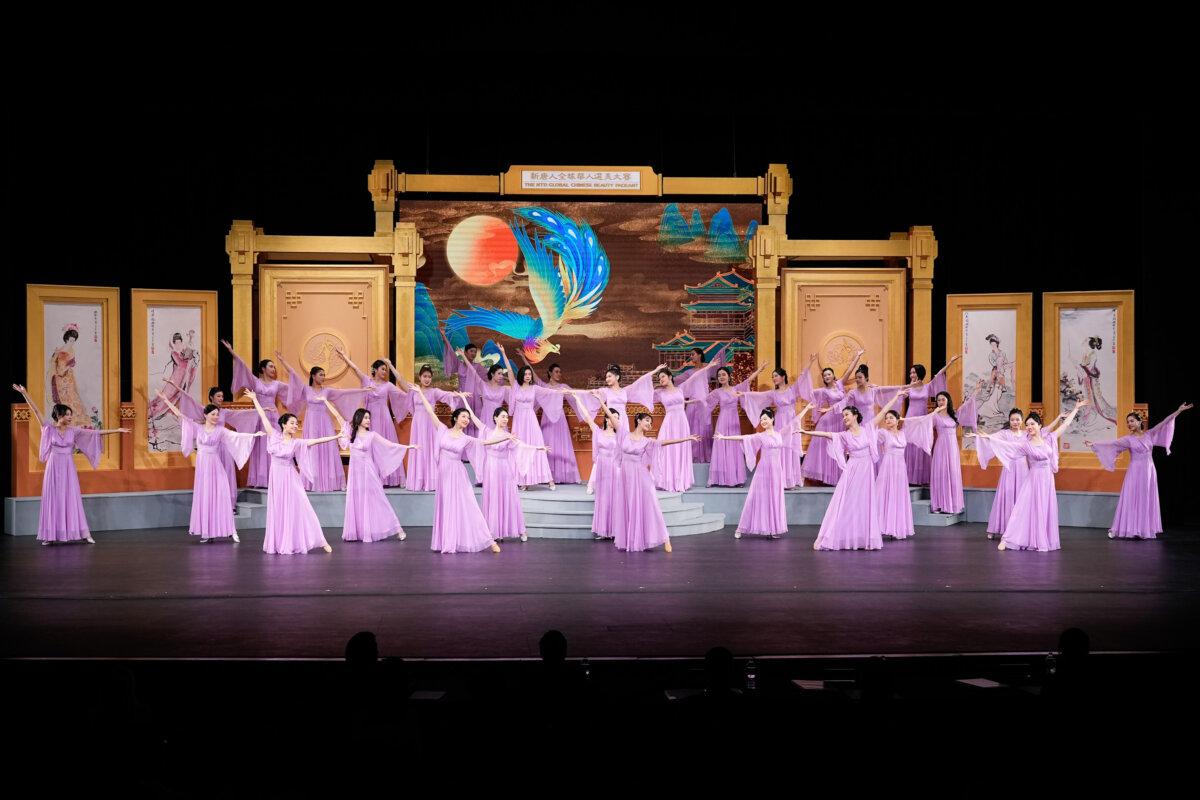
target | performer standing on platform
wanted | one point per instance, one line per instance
(266, 384)
(894, 503)
(1012, 476)
(327, 472)
(818, 465)
(644, 527)
(524, 394)
(608, 512)
(1138, 515)
(216, 446)
(699, 415)
(455, 362)
(764, 512)
(556, 432)
(243, 421)
(383, 400)
(728, 465)
(916, 459)
(506, 456)
(866, 396)
(492, 391)
(673, 468)
(292, 525)
(422, 464)
(369, 516)
(61, 518)
(783, 397)
(458, 523)
(851, 521)
(945, 473)
(1033, 524)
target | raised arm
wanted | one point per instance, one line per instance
(853, 366)
(32, 405)
(404, 384)
(465, 397)
(883, 411)
(338, 419)
(1071, 417)
(170, 405)
(362, 375)
(512, 376)
(429, 408)
(262, 415)
(948, 365)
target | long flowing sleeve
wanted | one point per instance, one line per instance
(937, 384)
(835, 447)
(803, 384)
(641, 391)
(551, 403)
(387, 455)
(1006, 451)
(919, 431)
(1162, 433)
(1108, 451)
(238, 445)
(243, 420)
(297, 391)
(189, 407)
(968, 414)
(243, 376)
(754, 402)
(187, 441)
(750, 448)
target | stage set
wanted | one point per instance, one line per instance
(623, 277)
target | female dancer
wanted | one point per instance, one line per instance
(1138, 515)
(783, 397)
(699, 415)
(61, 518)
(673, 468)
(292, 525)
(556, 432)
(455, 362)
(265, 383)
(728, 465)
(608, 512)
(1012, 476)
(851, 521)
(369, 516)
(506, 457)
(945, 473)
(216, 446)
(381, 394)
(243, 421)
(1033, 524)
(764, 513)
(524, 394)
(894, 504)
(617, 397)
(421, 475)
(644, 527)
(919, 393)
(458, 524)
(327, 472)
(818, 464)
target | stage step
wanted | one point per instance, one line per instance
(924, 517)
(684, 512)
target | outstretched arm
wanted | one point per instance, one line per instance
(338, 419)
(404, 384)
(170, 405)
(32, 405)
(692, 438)
(883, 411)
(428, 408)
(853, 365)
(350, 363)
(262, 415)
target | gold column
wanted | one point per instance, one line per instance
(408, 250)
(382, 183)
(241, 247)
(764, 253)
(777, 190)
(922, 251)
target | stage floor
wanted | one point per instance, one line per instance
(161, 594)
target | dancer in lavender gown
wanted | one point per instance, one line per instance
(264, 382)
(1033, 524)
(369, 517)
(456, 362)
(458, 523)
(506, 457)
(1138, 515)
(492, 391)
(783, 397)
(1012, 476)
(867, 397)
(215, 445)
(608, 512)
(61, 518)
(945, 472)
(421, 473)
(919, 394)
(764, 513)
(383, 399)
(292, 524)
(328, 475)
(556, 431)
(243, 421)
(644, 527)
(818, 466)
(728, 464)
(893, 507)
(851, 521)
(673, 467)
(524, 394)
(699, 415)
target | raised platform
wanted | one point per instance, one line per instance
(563, 514)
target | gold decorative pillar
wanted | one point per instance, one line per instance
(241, 247)
(777, 190)
(922, 250)
(382, 183)
(764, 254)
(408, 255)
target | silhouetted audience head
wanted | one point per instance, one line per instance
(718, 669)
(1073, 643)
(553, 647)
(362, 648)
